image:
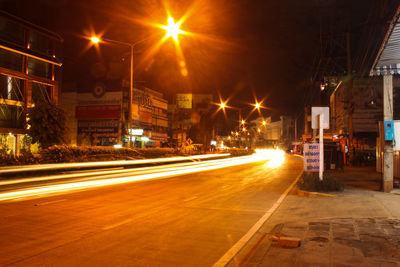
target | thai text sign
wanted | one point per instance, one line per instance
(311, 157)
(184, 100)
(98, 112)
(98, 127)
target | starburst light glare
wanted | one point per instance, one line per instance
(95, 39)
(172, 29)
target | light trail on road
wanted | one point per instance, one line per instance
(105, 163)
(100, 179)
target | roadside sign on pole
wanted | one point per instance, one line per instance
(315, 117)
(320, 120)
(311, 157)
(189, 142)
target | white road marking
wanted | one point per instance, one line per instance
(228, 256)
(117, 224)
(188, 199)
(50, 202)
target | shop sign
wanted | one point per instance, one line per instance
(98, 112)
(98, 127)
(159, 136)
(159, 103)
(184, 100)
(136, 131)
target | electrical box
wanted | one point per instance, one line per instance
(389, 130)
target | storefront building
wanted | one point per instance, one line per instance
(29, 72)
(101, 116)
(99, 120)
(149, 119)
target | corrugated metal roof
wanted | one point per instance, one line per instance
(388, 57)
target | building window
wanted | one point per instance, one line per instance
(40, 43)
(41, 92)
(11, 116)
(39, 68)
(11, 32)
(10, 60)
(11, 88)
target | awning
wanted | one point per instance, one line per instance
(388, 58)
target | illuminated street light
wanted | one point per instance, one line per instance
(259, 130)
(172, 29)
(236, 133)
(222, 105)
(243, 122)
(264, 123)
(257, 105)
(97, 40)
(244, 129)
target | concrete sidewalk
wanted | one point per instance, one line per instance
(357, 227)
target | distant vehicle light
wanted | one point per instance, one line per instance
(117, 146)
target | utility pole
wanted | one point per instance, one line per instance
(349, 98)
(388, 148)
(295, 135)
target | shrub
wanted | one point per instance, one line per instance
(23, 159)
(64, 153)
(311, 182)
(240, 152)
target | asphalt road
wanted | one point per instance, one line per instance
(187, 220)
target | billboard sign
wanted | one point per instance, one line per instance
(98, 112)
(184, 100)
(98, 127)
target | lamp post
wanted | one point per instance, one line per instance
(172, 30)
(96, 40)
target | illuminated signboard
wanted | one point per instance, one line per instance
(136, 131)
(184, 100)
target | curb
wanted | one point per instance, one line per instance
(302, 193)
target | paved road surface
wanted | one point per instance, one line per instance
(188, 220)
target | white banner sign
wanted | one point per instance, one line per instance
(311, 157)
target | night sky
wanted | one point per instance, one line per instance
(240, 50)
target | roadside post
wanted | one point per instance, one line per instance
(320, 120)
(321, 146)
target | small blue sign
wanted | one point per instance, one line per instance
(389, 130)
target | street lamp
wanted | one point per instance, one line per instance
(172, 29)
(96, 40)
